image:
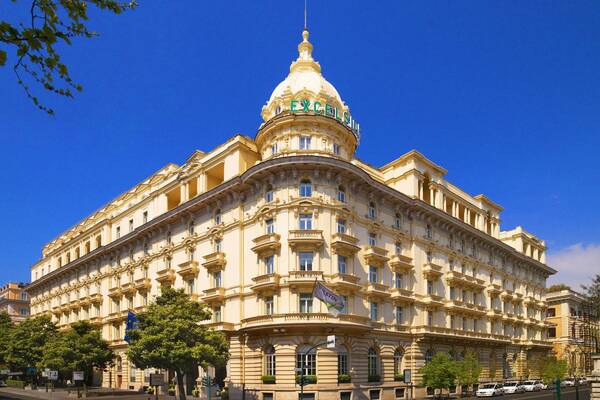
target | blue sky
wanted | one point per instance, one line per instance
(505, 95)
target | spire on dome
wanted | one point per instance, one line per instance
(305, 59)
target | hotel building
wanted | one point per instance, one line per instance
(14, 301)
(574, 330)
(248, 227)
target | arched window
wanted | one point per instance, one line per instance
(269, 194)
(269, 366)
(218, 217)
(305, 188)
(341, 194)
(398, 355)
(306, 359)
(373, 364)
(372, 210)
(343, 361)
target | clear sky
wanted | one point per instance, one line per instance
(505, 95)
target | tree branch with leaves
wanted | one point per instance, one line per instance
(35, 42)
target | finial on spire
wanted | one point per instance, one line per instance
(305, 7)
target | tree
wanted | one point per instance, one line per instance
(468, 370)
(439, 373)
(5, 331)
(553, 370)
(81, 348)
(558, 287)
(34, 40)
(27, 342)
(169, 336)
(592, 296)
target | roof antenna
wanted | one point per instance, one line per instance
(305, 14)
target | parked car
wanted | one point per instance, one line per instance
(568, 382)
(531, 386)
(2, 384)
(583, 380)
(513, 387)
(490, 390)
(541, 385)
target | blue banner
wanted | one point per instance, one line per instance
(130, 324)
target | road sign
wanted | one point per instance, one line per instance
(331, 341)
(53, 375)
(78, 375)
(157, 379)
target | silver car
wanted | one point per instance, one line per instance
(513, 387)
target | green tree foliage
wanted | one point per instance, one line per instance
(170, 336)
(553, 369)
(592, 296)
(558, 287)
(35, 40)
(81, 348)
(5, 331)
(439, 373)
(27, 342)
(468, 370)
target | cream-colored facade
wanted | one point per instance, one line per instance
(249, 226)
(14, 300)
(574, 330)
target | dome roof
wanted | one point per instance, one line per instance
(305, 79)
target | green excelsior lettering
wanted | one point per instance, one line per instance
(346, 118)
(329, 110)
(337, 116)
(293, 105)
(317, 110)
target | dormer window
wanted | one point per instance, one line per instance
(277, 110)
(218, 219)
(191, 227)
(336, 149)
(341, 226)
(274, 148)
(398, 221)
(269, 194)
(305, 188)
(304, 142)
(341, 194)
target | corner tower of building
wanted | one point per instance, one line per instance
(306, 115)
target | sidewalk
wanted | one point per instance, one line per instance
(13, 393)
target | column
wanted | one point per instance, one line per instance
(201, 184)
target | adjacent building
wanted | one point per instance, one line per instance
(14, 300)
(248, 227)
(574, 330)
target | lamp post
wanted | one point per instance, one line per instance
(330, 342)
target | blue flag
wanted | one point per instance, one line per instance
(333, 301)
(130, 324)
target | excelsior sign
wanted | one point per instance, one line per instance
(316, 107)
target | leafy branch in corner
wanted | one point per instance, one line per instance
(35, 41)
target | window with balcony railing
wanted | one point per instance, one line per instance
(373, 274)
(270, 226)
(341, 226)
(372, 239)
(305, 222)
(270, 264)
(341, 264)
(306, 261)
(306, 303)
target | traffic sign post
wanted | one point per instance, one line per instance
(156, 380)
(78, 377)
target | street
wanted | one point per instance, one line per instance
(566, 394)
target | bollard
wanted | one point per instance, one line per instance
(558, 389)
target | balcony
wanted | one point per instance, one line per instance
(506, 294)
(74, 305)
(268, 322)
(96, 321)
(115, 292)
(493, 289)
(188, 269)
(463, 308)
(402, 296)
(96, 298)
(530, 301)
(432, 300)
(85, 301)
(214, 295)
(128, 288)
(268, 243)
(432, 271)
(377, 290)
(165, 276)
(304, 278)
(494, 313)
(220, 326)
(143, 284)
(460, 279)
(440, 331)
(267, 282)
(375, 255)
(117, 316)
(306, 239)
(344, 244)
(215, 261)
(401, 264)
(346, 282)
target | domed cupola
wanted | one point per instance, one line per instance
(305, 114)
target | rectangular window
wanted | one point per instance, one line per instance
(341, 226)
(374, 394)
(306, 222)
(269, 264)
(372, 239)
(336, 149)
(306, 302)
(145, 217)
(118, 234)
(274, 148)
(270, 226)
(345, 309)
(429, 287)
(552, 332)
(551, 312)
(269, 305)
(218, 245)
(399, 392)
(217, 279)
(267, 396)
(374, 311)
(306, 261)
(341, 196)
(430, 318)
(464, 324)
(345, 395)
(373, 274)
(452, 293)
(341, 264)
(342, 363)
(131, 225)
(304, 142)
(217, 314)
(398, 280)
(399, 319)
